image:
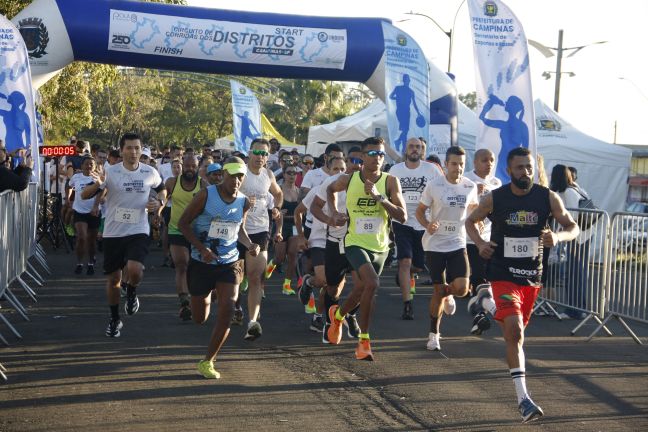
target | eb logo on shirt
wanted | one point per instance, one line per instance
(366, 202)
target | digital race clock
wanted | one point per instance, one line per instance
(57, 150)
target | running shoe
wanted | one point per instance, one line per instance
(317, 323)
(529, 410)
(237, 319)
(335, 331)
(90, 270)
(475, 303)
(254, 331)
(305, 290)
(433, 343)
(78, 269)
(287, 290)
(185, 312)
(363, 350)
(481, 323)
(114, 327)
(132, 303)
(269, 269)
(449, 305)
(310, 308)
(206, 369)
(408, 311)
(413, 285)
(353, 329)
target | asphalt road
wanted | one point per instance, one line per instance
(65, 375)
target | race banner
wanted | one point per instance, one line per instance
(406, 89)
(246, 116)
(226, 41)
(503, 80)
(18, 125)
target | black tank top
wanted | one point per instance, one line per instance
(518, 222)
(290, 206)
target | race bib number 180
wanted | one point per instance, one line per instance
(526, 247)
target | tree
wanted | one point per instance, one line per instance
(469, 99)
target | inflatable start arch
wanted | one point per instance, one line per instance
(161, 36)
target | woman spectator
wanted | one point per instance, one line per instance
(577, 251)
(306, 164)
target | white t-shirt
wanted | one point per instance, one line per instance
(166, 171)
(449, 205)
(257, 186)
(413, 182)
(317, 236)
(314, 177)
(334, 233)
(490, 184)
(570, 198)
(78, 182)
(128, 194)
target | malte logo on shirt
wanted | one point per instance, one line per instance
(523, 217)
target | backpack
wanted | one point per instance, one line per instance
(586, 220)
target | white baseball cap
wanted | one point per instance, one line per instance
(146, 152)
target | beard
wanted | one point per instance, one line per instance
(188, 175)
(413, 157)
(522, 182)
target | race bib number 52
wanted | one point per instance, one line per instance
(127, 215)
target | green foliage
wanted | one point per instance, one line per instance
(469, 99)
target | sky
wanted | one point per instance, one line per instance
(593, 100)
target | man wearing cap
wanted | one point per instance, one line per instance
(181, 191)
(214, 174)
(273, 157)
(146, 156)
(213, 224)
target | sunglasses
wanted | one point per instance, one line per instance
(355, 161)
(291, 172)
(260, 153)
(308, 162)
(374, 153)
(286, 160)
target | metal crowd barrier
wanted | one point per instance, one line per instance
(627, 290)
(577, 271)
(18, 224)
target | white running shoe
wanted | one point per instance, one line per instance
(433, 343)
(449, 305)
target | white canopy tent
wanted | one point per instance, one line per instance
(603, 168)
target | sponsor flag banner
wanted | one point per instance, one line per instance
(202, 39)
(503, 82)
(18, 125)
(407, 93)
(246, 116)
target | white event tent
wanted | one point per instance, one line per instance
(603, 168)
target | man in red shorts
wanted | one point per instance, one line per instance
(519, 212)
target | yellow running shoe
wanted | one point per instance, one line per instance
(287, 290)
(206, 369)
(269, 269)
(412, 286)
(310, 308)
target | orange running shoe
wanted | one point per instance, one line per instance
(363, 350)
(334, 332)
(269, 269)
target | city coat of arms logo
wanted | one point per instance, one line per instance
(35, 34)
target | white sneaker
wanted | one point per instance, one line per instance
(449, 305)
(433, 343)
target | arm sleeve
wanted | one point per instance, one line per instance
(16, 181)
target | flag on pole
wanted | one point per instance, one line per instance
(246, 116)
(407, 94)
(17, 112)
(503, 80)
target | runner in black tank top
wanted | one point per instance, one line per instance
(519, 212)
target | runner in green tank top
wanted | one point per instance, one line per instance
(181, 191)
(373, 197)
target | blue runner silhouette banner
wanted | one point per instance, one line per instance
(504, 97)
(17, 113)
(246, 116)
(407, 95)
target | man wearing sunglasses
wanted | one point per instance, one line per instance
(258, 182)
(373, 198)
(413, 175)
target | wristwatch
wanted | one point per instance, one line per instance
(381, 198)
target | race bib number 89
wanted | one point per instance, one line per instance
(368, 225)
